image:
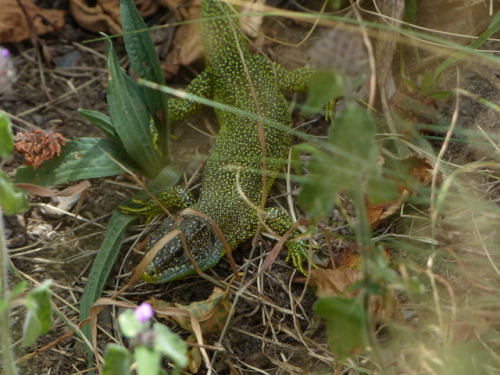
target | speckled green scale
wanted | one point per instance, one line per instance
(236, 77)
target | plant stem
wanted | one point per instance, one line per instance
(363, 234)
(5, 344)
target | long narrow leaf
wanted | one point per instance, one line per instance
(145, 61)
(100, 120)
(80, 159)
(103, 263)
(130, 117)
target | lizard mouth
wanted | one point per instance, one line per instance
(171, 261)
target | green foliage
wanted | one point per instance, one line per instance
(151, 343)
(148, 361)
(39, 311)
(170, 345)
(348, 162)
(103, 263)
(117, 360)
(100, 120)
(346, 321)
(129, 324)
(130, 117)
(6, 141)
(12, 200)
(336, 4)
(325, 87)
(39, 317)
(410, 12)
(80, 159)
(142, 54)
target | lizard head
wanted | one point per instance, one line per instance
(171, 262)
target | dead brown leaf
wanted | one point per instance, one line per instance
(44, 192)
(251, 25)
(332, 282)
(104, 15)
(420, 172)
(186, 45)
(211, 313)
(14, 27)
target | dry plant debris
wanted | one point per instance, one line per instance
(104, 15)
(417, 169)
(211, 313)
(38, 146)
(17, 21)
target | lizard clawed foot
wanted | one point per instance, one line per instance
(298, 253)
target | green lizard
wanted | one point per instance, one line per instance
(245, 149)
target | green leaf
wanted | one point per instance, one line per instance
(347, 163)
(129, 325)
(378, 188)
(346, 324)
(427, 82)
(39, 317)
(80, 159)
(439, 95)
(355, 165)
(18, 289)
(410, 12)
(100, 120)
(102, 265)
(148, 361)
(144, 59)
(170, 345)
(324, 88)
(6, 141)
(318, 192)
(117, 360)
(12, 200)
(352, 135)
(130, 117)
(167, 178)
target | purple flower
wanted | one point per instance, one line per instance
(7, 70)
(143, 312)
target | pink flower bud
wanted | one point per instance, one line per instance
(143, 312)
